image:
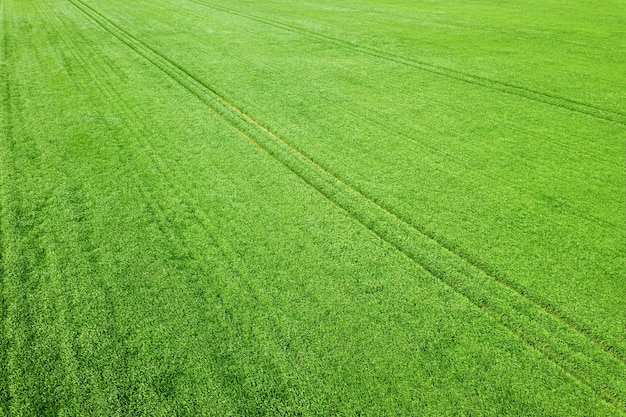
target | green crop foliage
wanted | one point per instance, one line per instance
(316, 208)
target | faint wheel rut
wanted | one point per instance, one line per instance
(600, 156)
(561, 205)
(155, 208)
(574, 351)
(517, 34)
(504, 87)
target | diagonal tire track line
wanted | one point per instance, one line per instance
(506, 123)
(444, 22)
(615, 351)
(160, 167)
(226, 110)
(563, 205)
(457, 273)
(153, 204)
(501, 86)
(235, 262)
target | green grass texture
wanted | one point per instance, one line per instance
(312, 208)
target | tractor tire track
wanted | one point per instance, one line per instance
(515, 34)
(600, 156)
(226, 107)
(561, 205)
(510, 125)
(555, 339)
(154, 208)
(68, 355)
(496, 85)
(234, 262)
(22, 244)
(23, 253)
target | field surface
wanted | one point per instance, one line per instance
(275, 207)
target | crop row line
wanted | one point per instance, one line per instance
(498, 85)
(563, 205)
(572, 351)
(502, 122)
(510, 125)
(121, 389)
(621, 355)
(18, 320)
(158, 211)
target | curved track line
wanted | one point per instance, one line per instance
(402, 236)
(117, 339)
(621, 355)
(504, 87)
(564, 206)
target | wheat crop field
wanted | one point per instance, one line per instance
(312, 208)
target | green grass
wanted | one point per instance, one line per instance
(271, 207)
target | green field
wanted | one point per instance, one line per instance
(312, 207)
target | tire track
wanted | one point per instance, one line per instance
(234, 262)
(23, 254)
(571, 350)
(121, 389)
(226, 109)
(509, 125)
(67, 355)
(161, 168)
(516, 34)
(561, 205)
(496, 85)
